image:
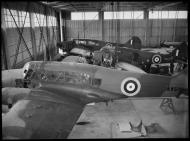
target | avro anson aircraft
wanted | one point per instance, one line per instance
(55, 94)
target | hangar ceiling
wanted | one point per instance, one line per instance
(107, 6)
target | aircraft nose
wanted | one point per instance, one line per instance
(9, 77)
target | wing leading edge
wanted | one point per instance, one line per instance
(41, 115)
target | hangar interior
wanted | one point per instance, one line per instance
(32, 31)
(43, 27)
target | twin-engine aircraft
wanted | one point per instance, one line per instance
(55, 94)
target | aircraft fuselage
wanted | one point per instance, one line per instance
(95, 82)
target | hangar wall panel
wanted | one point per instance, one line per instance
(80, 29)
(151, 32)
(17, 10)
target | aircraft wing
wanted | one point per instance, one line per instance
(41, 114)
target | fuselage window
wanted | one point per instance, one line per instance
(76, 78)
(91, 43)
(96, 82)
(70, 77)
(67, 77)
(43, 76)
(29, 74)
(51, 76)
(61, 76)
(82, 42)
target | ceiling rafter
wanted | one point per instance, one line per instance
(52, 3)
(61, 5)
(105, 6)
(73, 6)
(163, 5)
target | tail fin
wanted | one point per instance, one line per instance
(180, 80)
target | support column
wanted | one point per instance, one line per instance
(84, 28)
(146, 14)
(4, 41)
(32, 33)
(61, 26)
(118, 31)
(118, 24)
(47, 52)
(101, 15)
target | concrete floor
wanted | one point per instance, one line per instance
(105, 121)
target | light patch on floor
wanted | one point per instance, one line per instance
(105, 119)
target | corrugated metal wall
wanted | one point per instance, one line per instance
(156, 30)
(41, 41)
(53, 33)
(75, 29)
(12, 41)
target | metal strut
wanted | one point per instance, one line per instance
(167, 106)
(18, 45)
(20, 32)
(41, 30)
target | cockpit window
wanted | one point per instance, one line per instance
(61, 76)
(28, 74)
(77, 78)
(94, 43)
(25, 68)
(43, 76)
(67, 77)
(51, 75)
(82, 42)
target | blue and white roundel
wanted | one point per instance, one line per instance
(130, 86)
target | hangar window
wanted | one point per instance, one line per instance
(39, 20)
(124, 15)
(52, 20)
(19, 17)
(22, 15)
(84, 16)
(168, 15)
(8, 18)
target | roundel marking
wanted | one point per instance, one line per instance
(130, 86)
(156, 59)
